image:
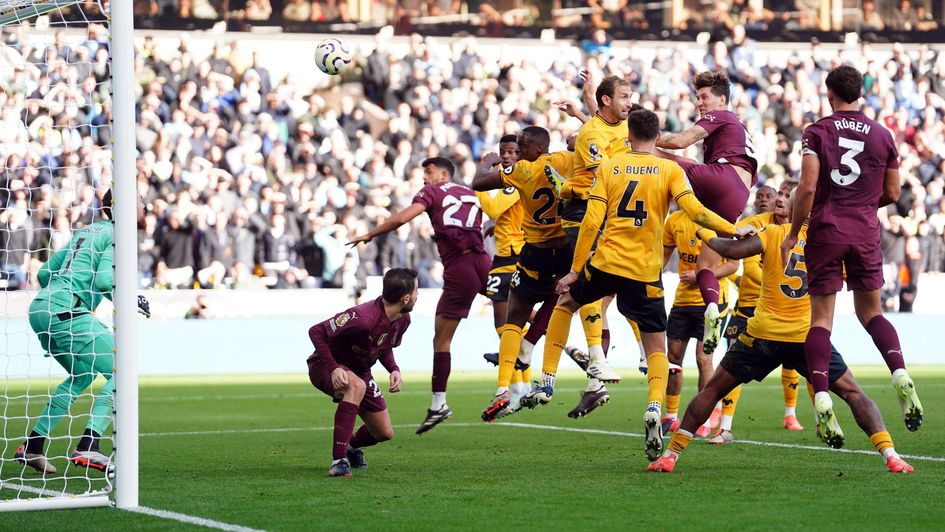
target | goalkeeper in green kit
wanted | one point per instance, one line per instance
(74, 280)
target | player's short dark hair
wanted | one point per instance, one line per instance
(398, 282)
(107, 204)
(440, 162)
(717, 82)
(608, 87)
(508, 138)
(538, 134)
(644, 125)
(846, 82)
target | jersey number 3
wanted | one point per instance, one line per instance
(638, 214)
(852, 148)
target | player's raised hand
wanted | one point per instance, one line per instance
(585, 75)
(564, 284)
(359, 239)
(395, 381)
(491, 159)
(144, 307)
(745, 231)
(339, 378)
(567, 106)
(789, 242)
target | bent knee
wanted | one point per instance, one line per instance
(385, 434)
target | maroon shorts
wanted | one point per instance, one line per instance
(320, 376)
(719, 187)
(463, 278)
(826, 263)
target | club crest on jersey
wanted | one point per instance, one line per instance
(594, 150)
(339, 321)
(692, 242)
(509, 170)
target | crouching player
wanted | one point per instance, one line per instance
(775, 337)
(346, 347)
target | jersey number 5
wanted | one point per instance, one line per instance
(792, 271)
(452, 205)
(638, 214)
(848, 159)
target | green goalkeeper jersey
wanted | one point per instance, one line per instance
(79, 275)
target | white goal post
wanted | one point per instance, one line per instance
(32, 32)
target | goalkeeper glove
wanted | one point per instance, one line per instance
(144, 307)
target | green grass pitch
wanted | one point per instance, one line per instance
(254, 452)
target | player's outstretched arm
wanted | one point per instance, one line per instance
(697, 212)
(395, 221)
(588, 91)
(569, 108)
(488, 175)
(590, 225)
(734, 249)
(683, 139)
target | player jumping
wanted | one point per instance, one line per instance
(849, 170)
(457, 226)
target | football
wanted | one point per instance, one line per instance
(332, 56)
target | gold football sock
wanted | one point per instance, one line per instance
(559, 326)
(508, 352)
(657, 377)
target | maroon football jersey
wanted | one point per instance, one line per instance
(728, 142)
(854, 154)
(456, 216)
(357, 337)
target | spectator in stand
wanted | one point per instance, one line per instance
(871, 19)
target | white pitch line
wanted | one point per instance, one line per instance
(190, 519)
(541, 427)
(749, 442)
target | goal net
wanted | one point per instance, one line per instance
(57, 141)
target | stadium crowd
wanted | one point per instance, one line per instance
(249, 181)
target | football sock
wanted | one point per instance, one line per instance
(363, 438)
(708, 286)
(89, 441)
(594, 385)
(678, 444)
(605, 341)
(441, 370)
(539, 325)
(883, 443)
(548, 379)
(729, 402)
(817, 349)
(672, 406)
(509, 346)
(516, 378)
(35, 443)
(558, 329)
(439, 400)
(526, 377)
(656, 378)
(345, 416)
(596, 354)
(789, 382)
(887, 341)
(591, 320)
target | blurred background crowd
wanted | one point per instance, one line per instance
(249, 180)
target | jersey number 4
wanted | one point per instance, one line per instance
(852, 148)
(638, 214)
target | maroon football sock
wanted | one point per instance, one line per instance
(887, 341)
(817, 349)
(441, 370)
(605, 341)
(345, 416)
(363, 438)
(539, 325)
(708, 286)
